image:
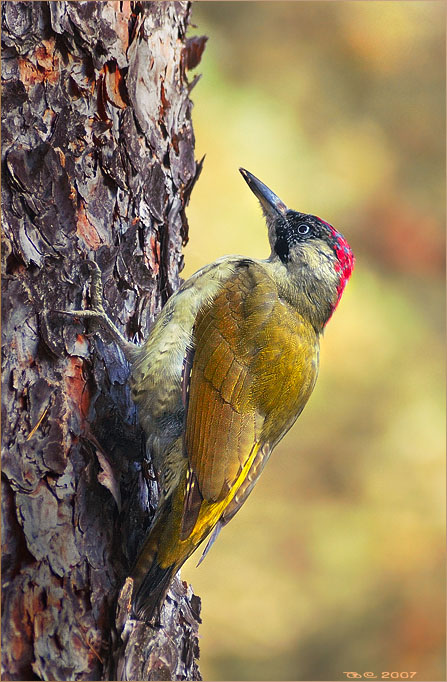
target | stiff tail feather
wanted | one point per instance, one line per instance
(149, 595)
(151, 580)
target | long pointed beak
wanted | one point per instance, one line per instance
(271, 204)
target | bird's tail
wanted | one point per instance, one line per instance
(151, 579)
(151, 592)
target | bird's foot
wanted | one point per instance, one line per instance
(97, 314)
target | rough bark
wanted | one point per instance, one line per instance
(97, 163)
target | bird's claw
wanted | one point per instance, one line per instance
(97, 313)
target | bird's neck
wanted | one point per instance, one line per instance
(314, 295)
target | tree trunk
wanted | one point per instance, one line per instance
(97, 164)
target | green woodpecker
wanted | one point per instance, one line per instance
(228, 367)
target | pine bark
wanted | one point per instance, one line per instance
(97, 164)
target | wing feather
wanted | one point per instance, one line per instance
(229, 381)
(250, 371)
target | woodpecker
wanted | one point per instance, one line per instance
(226, 370)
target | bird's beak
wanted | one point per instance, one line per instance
(271, 204)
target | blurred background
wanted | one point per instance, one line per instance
(336, 562)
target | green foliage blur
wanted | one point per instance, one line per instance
(336, 562)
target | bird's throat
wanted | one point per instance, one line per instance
(312, 292)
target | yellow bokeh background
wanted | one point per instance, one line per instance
(336, 562)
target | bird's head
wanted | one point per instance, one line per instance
(313, 261)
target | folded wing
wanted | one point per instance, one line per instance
(254, 368)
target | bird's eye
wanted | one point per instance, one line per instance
(303, 229)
